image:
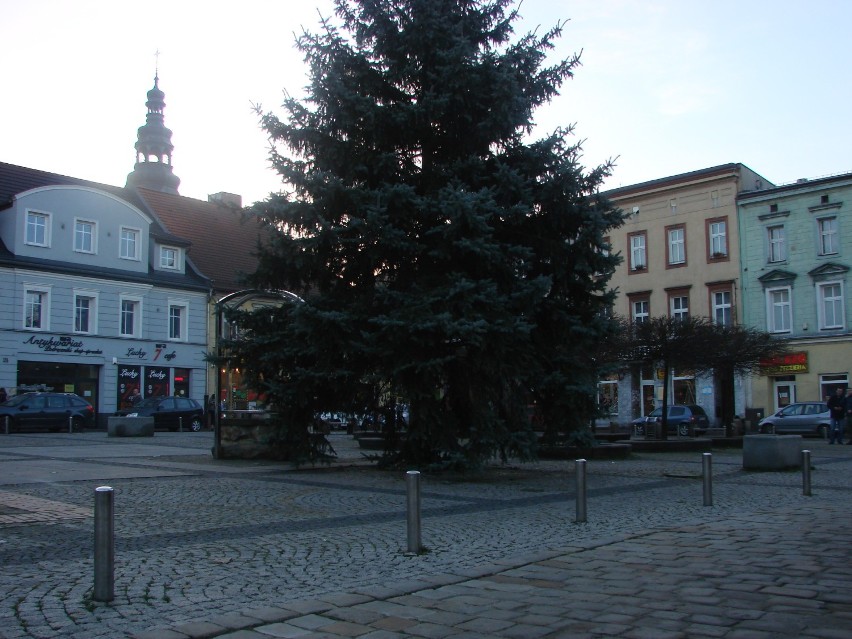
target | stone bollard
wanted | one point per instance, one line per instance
(412, 482)
(104, 589)
(580, 471)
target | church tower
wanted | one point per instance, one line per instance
(153, 169)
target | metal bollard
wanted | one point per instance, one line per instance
(806, 473)
(7, 424)
(580, 470)
(104, 545)
(707, 472)
(70, 424)
(412, 483)
(180, 424)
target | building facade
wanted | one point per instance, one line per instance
(796, 244)
(96, 298)
(680, 245)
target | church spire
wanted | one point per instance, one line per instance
(153, 168)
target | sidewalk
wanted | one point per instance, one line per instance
(258, 550)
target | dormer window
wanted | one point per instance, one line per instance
(169, 257)
(38, 229)
(129, 241)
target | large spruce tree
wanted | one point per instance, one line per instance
(445, 257)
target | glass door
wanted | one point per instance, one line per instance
(785, 394)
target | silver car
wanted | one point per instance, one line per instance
(801, 418)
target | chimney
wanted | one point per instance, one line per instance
(231, 200)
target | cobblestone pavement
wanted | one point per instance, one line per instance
(251, 550)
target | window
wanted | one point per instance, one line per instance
(676, 245)
(640, 310)
(84, 236)
(777, 250)
(177, 321)
(830, 305)
(679, 306)
(38, 229)
(168, 257)
(129, 244)
(130, 317)
(638, 256)
(85, 313)
(779, 311)
(717, 238)
(829, 384)
(608, 397)
(722, 307)
(828, 244)
(36, 302)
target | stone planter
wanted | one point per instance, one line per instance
(772, 452)
(247, 438)
(130, 426)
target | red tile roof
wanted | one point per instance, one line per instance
(224, 239)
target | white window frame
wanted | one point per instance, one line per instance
(638, 253)
(137, 315)
(640, 310)
(726, 308)
(164, 262)
(44, 307)
(837, 301)
(46, 226)
(677, 245)
(677, 310)
(776, 246)
(718, 238)
(183, 306)
(92, 296)
(784, 306)
(137, 233)
(828, 238)
(79, 222)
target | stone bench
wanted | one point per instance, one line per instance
(772, 452)
(130, 427)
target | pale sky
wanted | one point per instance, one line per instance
(665, 86)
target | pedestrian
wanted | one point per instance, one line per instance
(849, 415)
(3, 395)
(135, 397)
(837, 408)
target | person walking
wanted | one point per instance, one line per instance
(837, 409)
(849, 415)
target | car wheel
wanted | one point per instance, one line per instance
(822, 431)
(683, 430)
(196, 424)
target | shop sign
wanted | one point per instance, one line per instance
(159, 353)
(156, 381)
(787, 364)
(63, 344)
(129, 378)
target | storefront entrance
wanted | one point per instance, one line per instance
(81, 379)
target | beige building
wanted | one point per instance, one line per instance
(680, 247)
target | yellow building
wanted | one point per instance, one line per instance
(680, 250)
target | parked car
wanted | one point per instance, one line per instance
(801, 418)
(680, 419)
(49, 411)
(168, 412)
